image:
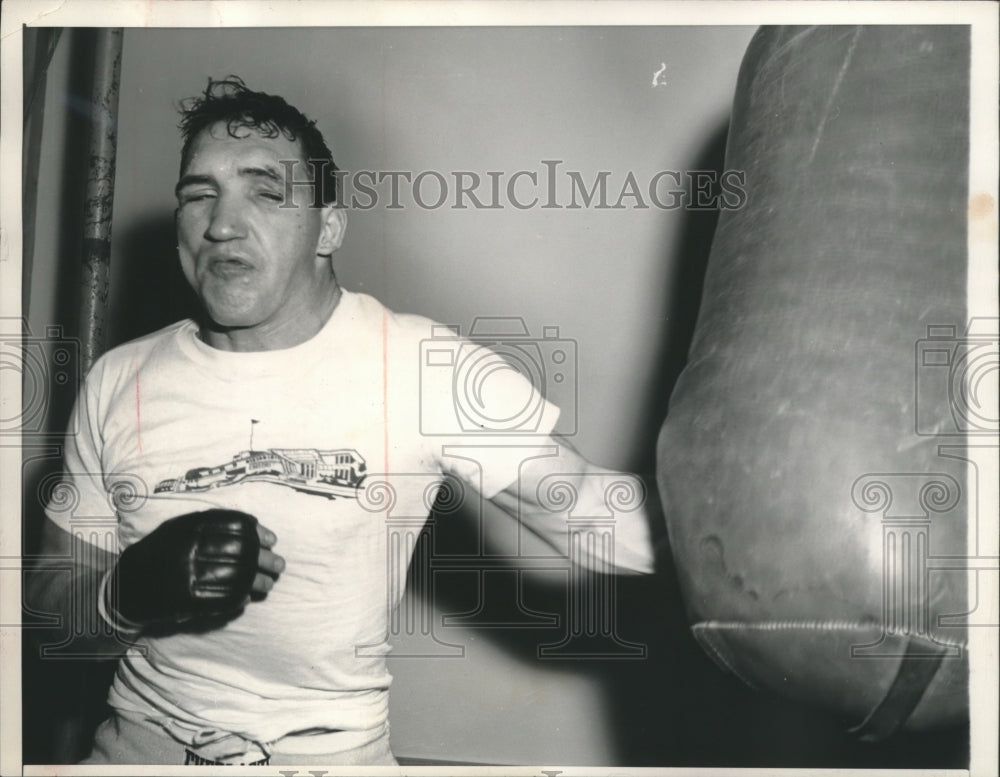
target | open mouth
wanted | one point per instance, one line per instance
(228, 266)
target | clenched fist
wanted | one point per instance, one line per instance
(198, 566)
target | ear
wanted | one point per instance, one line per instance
(332, 230)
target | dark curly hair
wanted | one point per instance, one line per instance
(229, 100)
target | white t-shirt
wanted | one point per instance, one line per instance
(333, 444)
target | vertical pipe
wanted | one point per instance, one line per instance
(36, 76)
(96, 279)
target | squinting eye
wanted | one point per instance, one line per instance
(196, 197)
(272, 196)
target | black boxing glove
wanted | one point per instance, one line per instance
(198, 566)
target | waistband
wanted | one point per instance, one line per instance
(225, 747)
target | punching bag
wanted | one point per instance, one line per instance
(811, 463)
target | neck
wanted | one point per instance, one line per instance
(278, 336)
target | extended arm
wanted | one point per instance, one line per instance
(557, 495)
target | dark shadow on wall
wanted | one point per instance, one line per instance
(687, 259)
(154, 292)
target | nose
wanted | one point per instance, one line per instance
(227, 220)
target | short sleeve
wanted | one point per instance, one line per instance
(483, 414)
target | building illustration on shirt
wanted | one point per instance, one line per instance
(330, 473)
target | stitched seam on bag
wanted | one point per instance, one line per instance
(819, 625)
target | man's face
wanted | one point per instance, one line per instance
(253, 264)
